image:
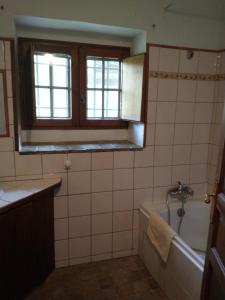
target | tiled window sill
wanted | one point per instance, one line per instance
(78, 147)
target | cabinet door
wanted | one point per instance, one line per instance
(133, 88)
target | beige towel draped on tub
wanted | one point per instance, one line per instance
(160, 234)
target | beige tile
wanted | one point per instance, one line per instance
(181, 154)
(61, 229)
(53, 163)
(79, 226)
(80, 247)
(169, 60)
(186, 90)
(162, 176)
(6, 144)
(166, 112)
(167, 89)
(136, 219)
(9, 84)
(199, 154)
(102, 160)
(79, 182)
(164, 134)
(201, 133)
(183, 134)
(188, 65)
(61, 250)
(7, 55)
(101, 243)
(144, 158)
(122, 221)
(62, 190)
(101, 223)
(123, 179)
(163, 155)
(143, 177)
(159, 193)
(203, 112)
(205, 91)
(101, 202)
(180, 173)
(123, 159)
(101, 181)
(28, 164)
(100, 257)
(80, 161)
(207, 62)
(122, 240)
(10, 111)
(2, 55)
(79, 205)
(198, 173)
(150, 135)
(60, 207)
(122, 200)
(151, 114)
(185, 112)
(152, 89)
(219, 112)
(142, 195)
(154, 58)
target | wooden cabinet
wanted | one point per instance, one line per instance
(26, 245)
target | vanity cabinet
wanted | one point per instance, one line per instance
(26, 244)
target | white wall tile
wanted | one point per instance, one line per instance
(122, 240)
(162, 176)
(61, 229)
(186, 90)
(185, 112)
(181, 154)
(2, 55)
(143, 177)
(188, 65)
(136, 219)
(61, 250)
(180, 173)
(164, 134)
(123, 179)
(7, 164)
(102, 160)
(79, 226)
(183, 134)
(80, 161)
(101, 223)
(101, 181)
(101, 202)
(123, 159)
(122, 221)
(142, 195)
(205, 91)
(101, 243)
(167, 89)
(79, 182)
(80, 247)
(79, 205)
(154, 58)
(198, 173)
(166, 112)
(150, 135)
(61, 207)
(207, 62)
(201, 133)
(62, 190)
(28, 164)
(152, 89)
(203, 112)
(151, 114)
(122, 200)
(6, 144)
(169, 60)
(7, 55)
(100, 257)
(53, 163)
(144, 158)
(163, 155)
(199, 154)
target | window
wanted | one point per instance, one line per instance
(70, 85)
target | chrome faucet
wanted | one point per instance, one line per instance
(180, 192)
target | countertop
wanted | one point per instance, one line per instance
(13, 192)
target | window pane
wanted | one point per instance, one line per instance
(43, 113)
(94, 104)
(111, 104)
(60, 61)
(112, 70)
(60, 97)
(60, 76)
(42, 102)
(94, 73)
(41, 74)
(60, 113)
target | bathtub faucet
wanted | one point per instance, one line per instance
(180, 192)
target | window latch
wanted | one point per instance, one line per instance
(83, 99)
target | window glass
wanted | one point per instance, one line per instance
(52, 85)
(103, 88)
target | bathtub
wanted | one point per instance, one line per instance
(180, 278)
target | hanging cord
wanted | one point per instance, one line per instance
(181, 217)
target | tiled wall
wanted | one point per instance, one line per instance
(96, 208)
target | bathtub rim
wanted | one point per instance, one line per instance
(179, 242)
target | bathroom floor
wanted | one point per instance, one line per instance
(116, 279)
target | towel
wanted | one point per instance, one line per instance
(160, 234)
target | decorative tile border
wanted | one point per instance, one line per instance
(186, 76)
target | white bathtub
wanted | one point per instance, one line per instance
(181, 276)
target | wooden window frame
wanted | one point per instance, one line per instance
(78, 53)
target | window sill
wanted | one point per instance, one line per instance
(78, 147)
